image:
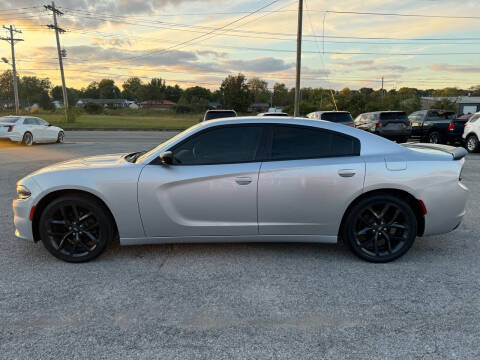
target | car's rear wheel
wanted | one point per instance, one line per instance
(435, 138)
(472, 143)
(380, 228)
(27, 139)
(75, 228)
(60, 138)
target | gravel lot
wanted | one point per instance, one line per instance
(224, 301)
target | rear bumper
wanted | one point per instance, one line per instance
(445, 208)
(12, 136)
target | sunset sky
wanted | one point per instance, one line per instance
(121, 38)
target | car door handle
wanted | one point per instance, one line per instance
(243, 180)
(347, 172)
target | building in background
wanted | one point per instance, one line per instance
(157, 104)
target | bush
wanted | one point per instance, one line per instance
(92, 108)
(183, 109)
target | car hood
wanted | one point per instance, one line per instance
(100, 161)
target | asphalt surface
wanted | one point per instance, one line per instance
(232, 301)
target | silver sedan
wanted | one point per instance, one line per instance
(248, 179)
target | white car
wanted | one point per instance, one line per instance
(28, 130)
(471, 134)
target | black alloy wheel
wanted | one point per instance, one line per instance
(380, 228)
(75, 228)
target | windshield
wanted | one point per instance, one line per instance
(337, 117)
(166, 143)
(8, 119)
(219, 114)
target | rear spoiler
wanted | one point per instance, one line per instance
(456, 152)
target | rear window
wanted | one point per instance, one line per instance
(219, 114)
(337, 117)
(7, 119)
(394, 115)
(449, 115)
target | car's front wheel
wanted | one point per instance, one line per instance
(380, 228)
(472, 143)
(75, 228)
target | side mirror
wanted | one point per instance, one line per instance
(49, 124)
(167, 157)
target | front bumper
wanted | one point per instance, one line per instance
(21, 218)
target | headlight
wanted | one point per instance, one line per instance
(23, 192)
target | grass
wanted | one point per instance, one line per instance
(124, 121)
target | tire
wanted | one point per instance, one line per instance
(472, 144)
(435, 138)
(27, 139)
(380, 228)
(76, 228)
(60, 137)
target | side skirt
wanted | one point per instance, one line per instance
(230, 239)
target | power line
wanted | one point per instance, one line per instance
(397, 14)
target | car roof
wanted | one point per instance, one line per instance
(218, 110)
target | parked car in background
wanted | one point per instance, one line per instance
(393, 125)
(341, 117)
(219, 114)
(248, 179)
(471, 133)
(28, 130)
(437, 126)
(273, 114)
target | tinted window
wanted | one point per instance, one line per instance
(40, 121)
(337, 117)
(221, 145)
(210, 115)
(442, 114)
(29, 121)
(9, 120)
(303, 142)
(394, 115)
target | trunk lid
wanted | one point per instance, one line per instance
(457, 153)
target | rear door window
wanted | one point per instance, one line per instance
(9, 120)
(301, 142)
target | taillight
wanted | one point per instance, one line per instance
(10, 127)
(350, 124)
(378, 124)
(451, 126)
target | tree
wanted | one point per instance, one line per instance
(133, 89)
(235, 93)
(72, 94)
(35, 91)
(259, 90)
(280, 95)
(173, 93)
(91, 91)
(155, 89)
(108, 90)
(6, 85)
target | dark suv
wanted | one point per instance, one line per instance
(393, 125)
(218, 114)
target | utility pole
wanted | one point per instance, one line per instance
(382, 88)
(12, 40)
(296, 111)
(61, 53)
